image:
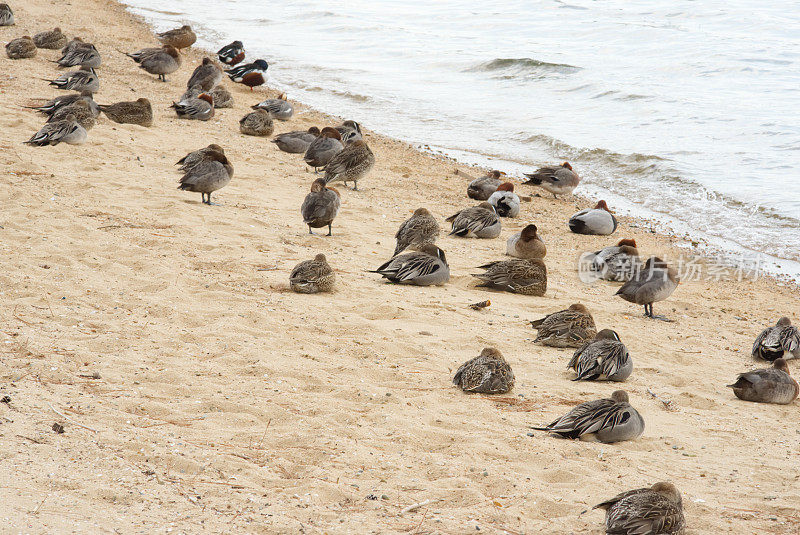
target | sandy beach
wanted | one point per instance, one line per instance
(212, 399)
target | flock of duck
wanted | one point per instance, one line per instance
(341, 153)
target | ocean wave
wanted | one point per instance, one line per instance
(508, 68)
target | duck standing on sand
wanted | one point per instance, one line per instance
(619, 262)
(605, 420)
(352, 164)
(572, 327)
(312, 276)
(179, 38)
(482, 188)
(770, 385)
(526, 244)
(477, 222)
(426, 266)
(327, 145)
(6, 15)
(597, 221)
(198, 109)
(605, 357)
(519, 276)
(779, 341)
(214, 172)
(558, 180)
(162, 63)
(418, 229)
(657, 510)
(250, 74)
(297, 141)
(21, 48)
(231, 54)
(85, 55)
(279, 108)
(64, 131)
(488, 373)
(257, 123)
(197, 156)
(139, 111)
(206, 76)
(654, 282)
(83, 80)
(321, 206)
(50, 39)
(505, 201)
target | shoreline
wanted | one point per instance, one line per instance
(224, 402)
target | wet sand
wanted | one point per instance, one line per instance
(219, 401)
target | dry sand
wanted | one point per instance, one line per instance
(225, 403)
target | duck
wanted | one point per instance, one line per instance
(618, 262)
(53, 105)
(312, 276)
(526, 244)
(64, 131)
(780, 341)
(179, 38)
(84, 80)
(231, 54)
(350, 131)
(85, 55)
(50, 39)
(320, 151)
(520, 276)
(74, 43)
(770, 385)
(6, 15)
(143, 53)
(21, 48)
(605, 357)
(139, 111)
(420, 228)
(222, 97)
(351, 164)
(558, 180)
(504, 200)
(199, 109)
(476, 222)
(279, 108)
(657, 510)
(488, 373)
(424, 266)
(595, 221)
(161, 63)
(571, 327)
(482, 188)
(257, 123)
(82, 112)
(214, 172)
(206, 75)
(250, 74)
(606, 420)
(320, 206)
(297, 141)
(197, 156)
(653, 283)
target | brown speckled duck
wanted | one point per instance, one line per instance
(21, 48)
(488, 373)
(657, 510)
(139, 111)
(257, 123)
(420, 228)
(214, 172)
(770, 385)
(179, 38)
(50, 39)
(520, 276)
(320, 206)
(312, 276)
(197, 156)
(566, 328)
(352, 164)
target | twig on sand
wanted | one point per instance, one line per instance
(70, 420)
(667, 402)
(416, 506)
